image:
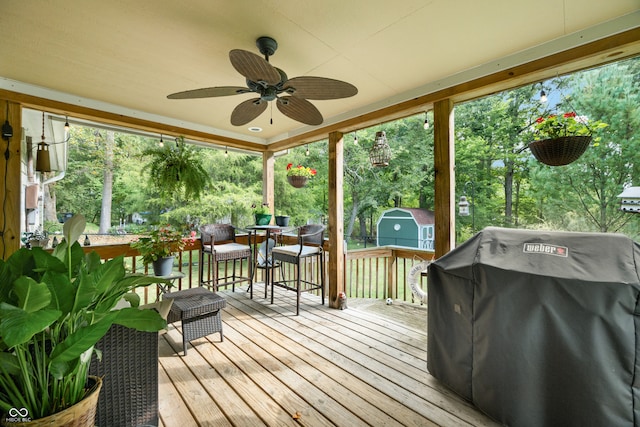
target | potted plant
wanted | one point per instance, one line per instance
(177, 170)
(261, 213)
(38, 238)
(562, 139)
(282, 220)
(299, 175)
(54, 307)
(160, 247)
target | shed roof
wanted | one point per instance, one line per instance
(422, 216)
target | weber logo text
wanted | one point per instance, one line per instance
(546, 249)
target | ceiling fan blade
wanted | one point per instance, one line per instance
(299, 110)
(247, 111)
(254, 67)
(308, 87)
(208, 92)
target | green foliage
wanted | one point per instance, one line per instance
(566, 124)
(177, 172)
(53, 309)
(299, 170)
(162, 242)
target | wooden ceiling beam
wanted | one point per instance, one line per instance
(121, 120)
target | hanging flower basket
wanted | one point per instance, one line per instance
(560, 151)
(297, 181)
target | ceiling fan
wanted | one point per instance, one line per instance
(272, 84)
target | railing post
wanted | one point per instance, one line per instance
(392, 277)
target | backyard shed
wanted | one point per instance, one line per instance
(410, 227)
(539, 327)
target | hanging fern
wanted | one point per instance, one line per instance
(177, 171)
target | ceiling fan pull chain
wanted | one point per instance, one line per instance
(271, 118)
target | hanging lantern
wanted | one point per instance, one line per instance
(43, 161)
(463, 206)
(380, 153)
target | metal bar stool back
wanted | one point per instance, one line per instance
(309, 246)
(220, 245)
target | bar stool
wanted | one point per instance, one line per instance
(310, 241)
(219, 243)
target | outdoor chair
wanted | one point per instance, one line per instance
(308, 248)
(219, 244)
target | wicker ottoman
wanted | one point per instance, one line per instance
(199, 311)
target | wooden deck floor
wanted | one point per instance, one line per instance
(361, 366)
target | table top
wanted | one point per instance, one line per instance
(174, 275)
(188, 300)
(265, 227)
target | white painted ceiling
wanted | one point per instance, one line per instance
(126, 56)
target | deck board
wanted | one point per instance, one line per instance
(324, 367)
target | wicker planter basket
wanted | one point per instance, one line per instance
(297, 181)
(82, 414)
(560, 151)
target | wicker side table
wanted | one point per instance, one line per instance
(199, 311)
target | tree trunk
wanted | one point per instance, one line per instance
(49, 203)
(363, 226)
(107, 185)
(352, 219)
(508, 193)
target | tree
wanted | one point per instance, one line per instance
(107, 183)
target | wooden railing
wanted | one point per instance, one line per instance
(378, 273)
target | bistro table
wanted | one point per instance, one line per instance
(175, 275)
(268, 229)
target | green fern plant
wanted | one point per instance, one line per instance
(177, 171)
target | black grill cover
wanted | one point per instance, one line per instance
(539, 328)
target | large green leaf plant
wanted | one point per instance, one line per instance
(54, 307)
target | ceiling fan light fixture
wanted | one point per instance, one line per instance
(255, 129)
(380, 152)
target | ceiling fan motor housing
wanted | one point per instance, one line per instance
(267, 46)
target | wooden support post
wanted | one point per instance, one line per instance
(392, 279)
(11, 186)
(268, 179)
(336, 218)
(444, 160)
